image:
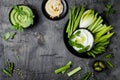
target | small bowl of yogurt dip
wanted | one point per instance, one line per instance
(54, 9)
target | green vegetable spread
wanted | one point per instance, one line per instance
(21, 17)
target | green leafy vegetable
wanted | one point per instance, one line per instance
(64, 68)
(7, 36)
(74, 71)
(87, 19)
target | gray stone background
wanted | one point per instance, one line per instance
(41, 48)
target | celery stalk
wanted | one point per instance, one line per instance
(74, 71)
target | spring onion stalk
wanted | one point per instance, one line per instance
(87, 19)
(74, 71)
(64, 68)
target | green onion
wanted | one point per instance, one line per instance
(74, 71)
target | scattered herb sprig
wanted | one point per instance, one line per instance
(110, 10)
(9, 69)
(9, 35)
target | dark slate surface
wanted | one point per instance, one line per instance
(41, 48)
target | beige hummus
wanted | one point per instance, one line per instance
(54, 8)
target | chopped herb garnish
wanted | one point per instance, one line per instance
(64, 68)
(7, 36)
(74, 71)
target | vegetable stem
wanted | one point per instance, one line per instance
(74, 71)
(64, 68)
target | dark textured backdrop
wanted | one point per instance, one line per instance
(41, 48)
